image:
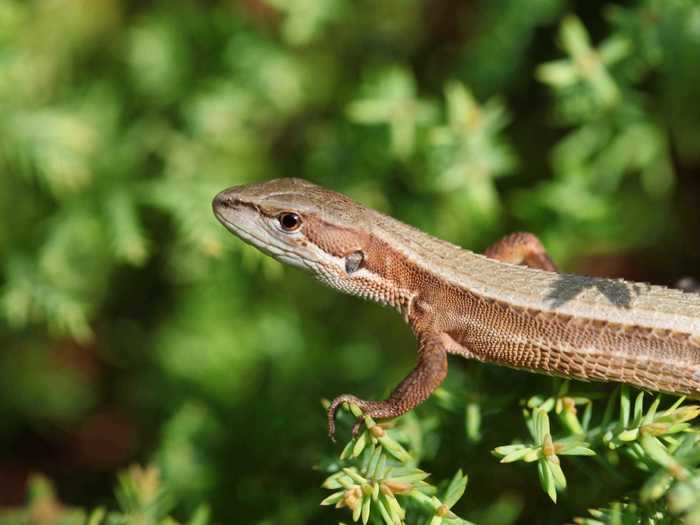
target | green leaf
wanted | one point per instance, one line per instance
(651, 413)
(557, 474)
(366, 502)
(97, 516)
(638, 409)
(472, 421)
(517, 455)
(576, 450)
(374, 462)
(354, 475)
(656, 486)
(547, 479)
(656, 451)
(394, 448)
(541, 425)
(455, 489)
(413, 475)
(388, 520)
(359, 446)
(624, 406)
(333, 498)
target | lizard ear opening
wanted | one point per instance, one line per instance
(354, 261)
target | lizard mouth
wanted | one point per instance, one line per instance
(226, 214)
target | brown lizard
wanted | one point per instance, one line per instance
(508, 306)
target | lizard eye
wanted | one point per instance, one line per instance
(289, 221)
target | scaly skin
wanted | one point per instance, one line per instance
(507, 306)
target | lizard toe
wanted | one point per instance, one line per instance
(333, 409)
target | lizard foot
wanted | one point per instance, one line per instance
(375, 409)
(333, 409)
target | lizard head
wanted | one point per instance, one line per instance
(300, 224)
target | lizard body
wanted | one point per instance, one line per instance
(508, 306)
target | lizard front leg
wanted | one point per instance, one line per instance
(413, 390)
(521, 248)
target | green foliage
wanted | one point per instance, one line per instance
(650, 439)
(391, 100)
(143, 500)
(385, 472)
(663, 444)
(546, 452)
(135, 328)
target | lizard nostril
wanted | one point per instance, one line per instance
(222, 201)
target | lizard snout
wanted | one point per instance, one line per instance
(226, 199)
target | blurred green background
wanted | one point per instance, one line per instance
(135, 329)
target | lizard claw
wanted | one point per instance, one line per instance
(357, 427)
(333, 409)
